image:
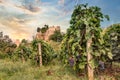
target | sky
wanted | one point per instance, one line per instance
(20, 18)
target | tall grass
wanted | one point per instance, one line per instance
(24, 71)
(10, 70)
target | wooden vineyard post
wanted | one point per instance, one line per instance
(23, 59)
(40, 54)
(89, 57)
(38, 37)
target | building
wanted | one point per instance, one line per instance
(50, 32)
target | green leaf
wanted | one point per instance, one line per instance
(82, 65)
(110, 55)
(92, 63)
(103, 51)
(84, 54)
(79, 47)
(101, 41)
(96, 54)
(71, 40)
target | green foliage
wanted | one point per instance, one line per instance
(3, 55)
(112, 38)
(23, 51)
(47, 50)
(55, 45)
(57, 36)
(45, 28)
(84, 24)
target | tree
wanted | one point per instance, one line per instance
(10, 48)
(6, 44)
(45, 28)
(57, 36)
(83, 40)
(1, 34)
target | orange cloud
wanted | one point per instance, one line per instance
(0, 1)
(18, 29)
(20, 35)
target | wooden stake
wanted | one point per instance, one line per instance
(89, 57)
(22, 57)
(40, 54)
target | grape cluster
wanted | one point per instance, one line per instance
(71, 61)
(101, 65)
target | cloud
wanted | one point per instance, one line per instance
(15, 30)
(32, 7)
(61, 2)
(20, 35)
(66, 6)
(38, 1)
(3, 28)
(67, 2)
(17, 26)
(0, 1)
(29, 8)
(13, 25)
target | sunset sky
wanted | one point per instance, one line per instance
(20, 18)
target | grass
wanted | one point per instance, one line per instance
(17, 70)
(10, 70)
(55, 45)
(25, 71)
